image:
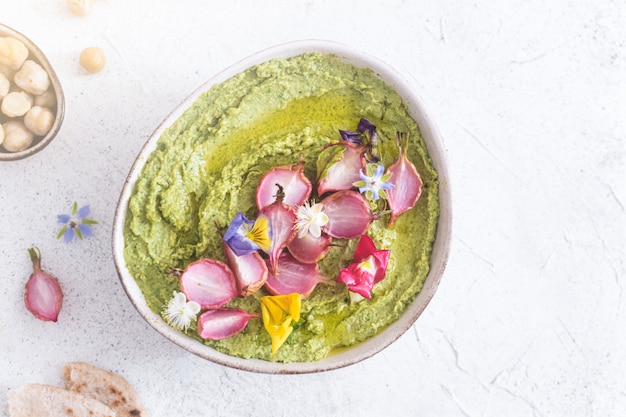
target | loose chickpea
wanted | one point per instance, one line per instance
(13, 52)
(16, 136)
(80, 7)
(39, 120)
(32, 78)
(5, 86)
(92, 59)
(16, 104)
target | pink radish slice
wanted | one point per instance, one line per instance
(250, 270)
(282, 219)
(43, 296)
(296, 186)
(209, 283)
(223, 323)
(338, 167)
(309, 249)
(349, 214)
(294, 277)
(406, 180)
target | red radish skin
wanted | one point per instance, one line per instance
(250, 270)
(223, 323)
(349, 215)
(282, 219)
(208, 282)
(342, 168)
(308, 249)
(294, 277)
(406, 180)
(296, 186)
(42, 294)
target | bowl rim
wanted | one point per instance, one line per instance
(34, 50)
(441, 245)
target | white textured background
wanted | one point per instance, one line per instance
(530, 97)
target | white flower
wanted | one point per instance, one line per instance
(179, 312)
(310, 219)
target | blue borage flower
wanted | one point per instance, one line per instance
(75, 224)
(375, 182)
(246, 236)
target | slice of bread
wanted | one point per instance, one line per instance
(37, 400)
(107, 387)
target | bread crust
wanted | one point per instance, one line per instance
(105, 386)
(36, 400)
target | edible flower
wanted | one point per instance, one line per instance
(365, 135)
(369, 268)
(279, 312)
(310, 219)
(179, 312)
(374, 183)
(246, 236)
(364, 127)
(352, 137)
(75, 224)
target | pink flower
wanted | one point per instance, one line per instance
(369, 267)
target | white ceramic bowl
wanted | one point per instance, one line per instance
(441, 245)
(37, 55)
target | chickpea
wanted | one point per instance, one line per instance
(92, 59)
(13, 52)
(32, 78)
(5, 86)
(47, 99)
(16, 104)
(7, 72)
(39, 120)
(80, 7)
(16, 136)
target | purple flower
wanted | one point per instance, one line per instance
(352, 137)
(366, 126)
(75, 224)
(365, 135)
(246, 236)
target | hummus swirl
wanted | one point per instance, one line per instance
(206, 168)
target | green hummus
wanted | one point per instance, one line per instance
(207, 166)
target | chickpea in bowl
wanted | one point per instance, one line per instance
(32, 104)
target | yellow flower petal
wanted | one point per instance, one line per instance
(260, 233)
(279, 336)
(278, 313)
(368, 264)
(289, 303)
